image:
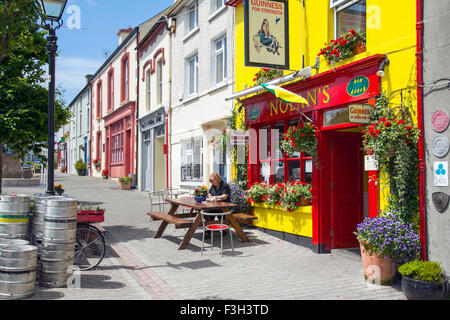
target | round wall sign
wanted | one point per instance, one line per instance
(440, 120)
(440, 146)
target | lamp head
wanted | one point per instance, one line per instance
(53, 9)
(383, 64)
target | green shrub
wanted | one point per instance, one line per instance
(80, 165)
(125, 179)
(422, 270)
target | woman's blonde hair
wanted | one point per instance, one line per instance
(214, 176)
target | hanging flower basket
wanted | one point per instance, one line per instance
(301, 138)
(264, 75)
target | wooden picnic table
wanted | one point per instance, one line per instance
(177, 219)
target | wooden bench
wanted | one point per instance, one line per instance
(243, 218)
(177, 221)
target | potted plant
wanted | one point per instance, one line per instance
(264, 75)
(97, 164)
(296, 194)
(63, 169)
(59, 189)
(200, 194)
(423, 280)
(258, 192)
(344, 47)
(81, 167)
(125, 183)
(105, 173)
(386, 242)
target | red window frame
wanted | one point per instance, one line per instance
(99, 99)
(301, 158)
(125, 79)
(110, 105)
(98, 151)
(117, 143)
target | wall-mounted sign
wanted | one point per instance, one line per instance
(266, 34)
(440, 201)
(358, 86)
(439, 120)
(440, 174)
(370, 163)
(239, 138)
(440, 146)
(253, 114)
(359, 113)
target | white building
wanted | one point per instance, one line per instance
(153, 103)
(79, 146)
(202, 76)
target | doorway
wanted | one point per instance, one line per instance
(347, 200)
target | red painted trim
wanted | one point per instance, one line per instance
(233, 3)
(151, 39)
(420, 123)
(155, 56)
(341, 126)
(110, 100)
(144, 68)
(99, 98)
(373, 194)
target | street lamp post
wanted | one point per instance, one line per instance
(53, 10)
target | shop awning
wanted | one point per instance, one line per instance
(305, 73)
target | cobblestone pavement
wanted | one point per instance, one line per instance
(137, 266)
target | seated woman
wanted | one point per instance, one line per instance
(220, 190)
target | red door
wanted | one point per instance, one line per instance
(347, 188)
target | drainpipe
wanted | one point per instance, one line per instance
(171, 25)
(136, 118)
(420, 124)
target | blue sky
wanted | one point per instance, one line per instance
(82, 51)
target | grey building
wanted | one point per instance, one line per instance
(79, 146)
(436, 73)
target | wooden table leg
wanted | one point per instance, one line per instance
(237, 227)
(164, 224)
(187, 238)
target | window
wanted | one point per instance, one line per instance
(148, 90)
(110, 90)
(99, 99)
(274, 165)
(193, 75)
(159, 79)
(220, 59)
(98, 150)
(117, 135)
(193, 16)
(81, 120)
(192, 159)
(125, 79)
(218, 4)
(349, 15)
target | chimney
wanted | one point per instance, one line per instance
(88, 78)
(123, 33)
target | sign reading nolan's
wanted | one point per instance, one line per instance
(266, 34)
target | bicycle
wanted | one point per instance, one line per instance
(90, 245)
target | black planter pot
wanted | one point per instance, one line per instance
(82, 172)
(424, 290)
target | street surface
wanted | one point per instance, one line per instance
(139, 267)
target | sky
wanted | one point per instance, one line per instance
(89, 36)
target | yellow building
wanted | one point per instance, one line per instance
(343, 191)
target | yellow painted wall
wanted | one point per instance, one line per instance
(297, 222)
(391, 29)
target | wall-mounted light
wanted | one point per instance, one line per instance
(383, 64)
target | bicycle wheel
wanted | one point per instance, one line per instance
(90, 247)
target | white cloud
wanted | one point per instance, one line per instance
(71, 74)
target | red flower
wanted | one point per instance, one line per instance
(408, 128)
(387, 124)
(266, 70)
(297, 204)
(293, 144)
(303, 135)
(378, 130)
(353, 32)
(369, 151)
(401, 121)
(383, 119)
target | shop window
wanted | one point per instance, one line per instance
(274, 165)
(336, 116)
(192, 159)
(349, 14)
(117, 140)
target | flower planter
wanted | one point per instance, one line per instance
(358, 50)
(377, 269)
(125, 186)
(305, 202)
(81, 172)
(200, 199)
(424, 290)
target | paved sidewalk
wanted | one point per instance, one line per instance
(138, 266)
